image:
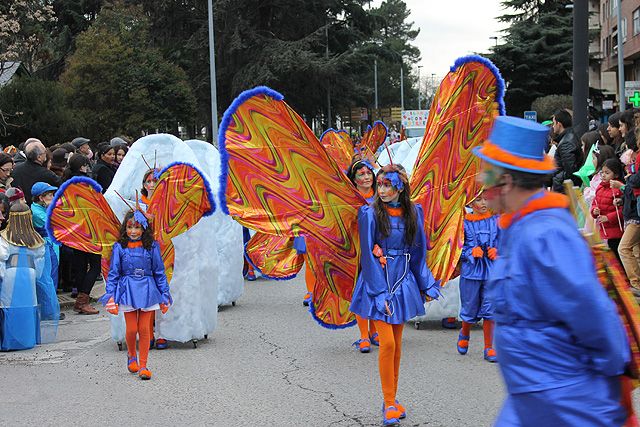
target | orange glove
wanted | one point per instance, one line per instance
(164, 308)
(112, 307)
(477, 252)
(492, 253)
(377, 251)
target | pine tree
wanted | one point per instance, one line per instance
(536, 58)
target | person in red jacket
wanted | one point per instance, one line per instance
(605, 207)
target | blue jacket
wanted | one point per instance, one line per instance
(555, 325)
(136, 277)
(403, 279)
(483, 233)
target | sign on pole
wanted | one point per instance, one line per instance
(630, 87)
(531, 115)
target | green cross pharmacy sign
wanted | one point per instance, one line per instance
(635, 99)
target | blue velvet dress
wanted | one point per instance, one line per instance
(474, 298)
(137, 280)
(401, 282)
(560, 342)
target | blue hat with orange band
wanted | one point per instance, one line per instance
(517, 144)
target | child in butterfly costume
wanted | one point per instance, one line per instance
(137, 285)
(80, 216)
(478, 253)
(394, 280)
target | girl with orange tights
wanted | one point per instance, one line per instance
(394, 279)
(361, 175)
(137, 285)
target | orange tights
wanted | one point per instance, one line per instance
(309, 278)
(138, 326)
(367, 328)
(390, 337)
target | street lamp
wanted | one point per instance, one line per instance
(212, 76)
(419, 91)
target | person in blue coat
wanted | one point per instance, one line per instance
(478, 253)
(561, 345)
(394, 279)
(137, 285)
(21, 265)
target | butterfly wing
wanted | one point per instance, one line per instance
(339, 146)
(278, 179)
(181, 197)
(373, 138)
(274, 256)
(443, 180)
(80, 217)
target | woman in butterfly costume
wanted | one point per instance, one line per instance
(265, 145)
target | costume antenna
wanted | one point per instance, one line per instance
(145, 162)
(125, 200)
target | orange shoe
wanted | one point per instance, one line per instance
(132, 364)
(144, 373)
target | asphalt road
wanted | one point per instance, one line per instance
(268, 363)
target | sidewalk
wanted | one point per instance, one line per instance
(67, 302)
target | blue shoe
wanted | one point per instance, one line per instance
(161, 344)
(390, 416)
(449, 323)
(374, 339)
(132, 364)
(490, 355)
(463, 344)
(403, 412)
(307, 299)
(251, 276)
(363, 345)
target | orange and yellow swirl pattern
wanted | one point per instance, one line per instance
(444, 178)
(274, 256)
(339, 147)
(373, 138)
(82, 219)
(181, 197)
(281, 181)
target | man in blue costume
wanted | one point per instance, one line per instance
(561, 345)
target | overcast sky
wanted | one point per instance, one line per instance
(452, 28)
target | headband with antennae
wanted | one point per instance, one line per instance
(125, 201)
(145, 162)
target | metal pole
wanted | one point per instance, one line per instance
(419, 105)
(401, 86)
(328, 82)
(375, 78)
(623, 99)
(212, 68)
(580, 66)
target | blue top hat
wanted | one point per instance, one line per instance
(517, 144)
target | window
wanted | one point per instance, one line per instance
(614, 7)
(624, 30)
(636, 21)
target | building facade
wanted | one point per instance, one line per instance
(606, 56)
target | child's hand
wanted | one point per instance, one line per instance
(602, 219)
(164, 308)
(492, 253)
(596, 211)
(112, 307)
(477, 252)
(616, 184)
(617, 201)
